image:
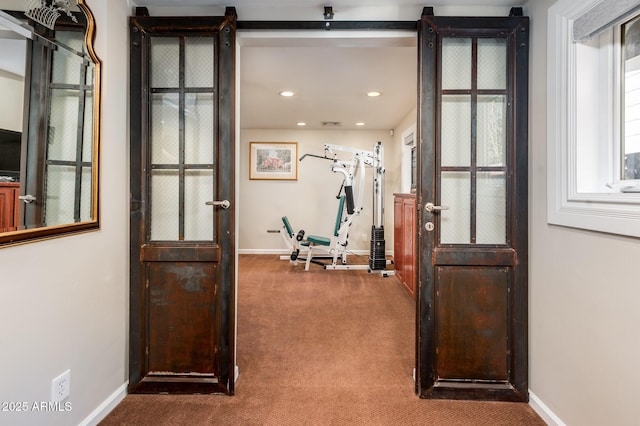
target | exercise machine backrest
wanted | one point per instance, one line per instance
(339, 215)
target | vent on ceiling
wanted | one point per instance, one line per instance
(331, 124)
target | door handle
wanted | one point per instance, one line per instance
(225, 204)
(430, 207)
(28, 199)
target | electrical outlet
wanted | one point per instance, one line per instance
(60, 387)
(364, 237)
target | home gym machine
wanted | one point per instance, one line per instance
(318, 250)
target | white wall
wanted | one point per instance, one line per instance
(12, 88)
(310, 202)
(584, 292)
(64, 302)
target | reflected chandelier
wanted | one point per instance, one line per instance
(47, 12)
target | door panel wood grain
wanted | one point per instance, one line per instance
(472, 323)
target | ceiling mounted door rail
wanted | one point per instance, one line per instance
(328, 25)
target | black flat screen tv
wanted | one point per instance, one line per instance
(10, 143)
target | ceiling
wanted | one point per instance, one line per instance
(330, 81)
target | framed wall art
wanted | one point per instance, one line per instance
(273, 161)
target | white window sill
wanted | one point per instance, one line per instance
(616, 213)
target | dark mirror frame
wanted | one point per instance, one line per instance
(47, 232)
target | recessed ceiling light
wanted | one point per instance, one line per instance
(286, 93)
(373, 94)
(360, 123)
(301, 123)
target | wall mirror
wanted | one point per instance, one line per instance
(49, 120)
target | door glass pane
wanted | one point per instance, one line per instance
(492, 63)
(87, 138)
(199, 62)
(491, 208)
(63, 125)
(72, 39)
(455, 224)
(165, 205)
(66, 66)
(491, 130)
(60, 195)
(165, 62)
(199, 128)
(456, 63)
(85, 191)
(456, 130)
(198, 217)
(164, 128)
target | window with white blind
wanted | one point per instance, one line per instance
(594, 115)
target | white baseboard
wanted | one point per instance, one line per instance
(106, 407)
(543, 411)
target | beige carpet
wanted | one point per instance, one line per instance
(319, 348)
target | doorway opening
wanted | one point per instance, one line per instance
(330, 73)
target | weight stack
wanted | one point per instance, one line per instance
(377, 258)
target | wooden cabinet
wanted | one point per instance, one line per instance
(404, 240)
(9, 206)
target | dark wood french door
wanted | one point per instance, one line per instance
(472, 208)
(182, 315)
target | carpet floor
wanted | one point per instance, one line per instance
(319, 348)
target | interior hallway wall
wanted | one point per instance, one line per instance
(310, 202)
(64, 302)
(584, 291)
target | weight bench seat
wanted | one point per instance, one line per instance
(319, 241)
(311, 241)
